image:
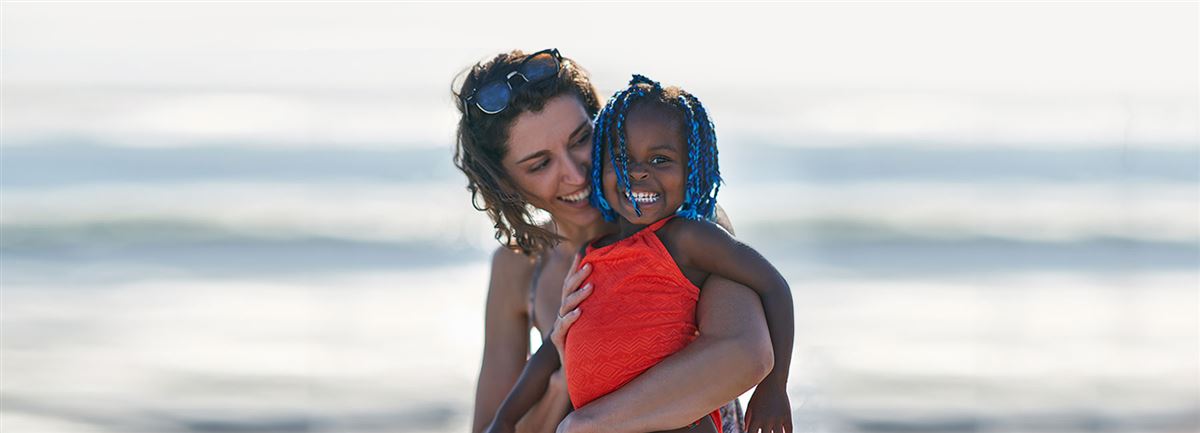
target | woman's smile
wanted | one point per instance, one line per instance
(578, 198)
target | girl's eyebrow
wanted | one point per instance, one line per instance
(663, 146)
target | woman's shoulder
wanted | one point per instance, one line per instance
(511, 275)
(511, 263)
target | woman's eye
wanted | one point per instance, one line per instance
(586, 139)
(539, 165)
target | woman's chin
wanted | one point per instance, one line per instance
(578, 215)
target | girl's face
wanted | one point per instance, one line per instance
(657, 161)
(549, 155)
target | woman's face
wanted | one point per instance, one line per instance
(549, 158)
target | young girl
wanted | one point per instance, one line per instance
(655, 167)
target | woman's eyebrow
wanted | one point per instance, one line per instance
(532, 156)
(582, 126)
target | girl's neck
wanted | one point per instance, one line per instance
(625, 228)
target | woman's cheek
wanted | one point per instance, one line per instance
(582, 155)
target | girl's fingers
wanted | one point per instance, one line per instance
(572, 300)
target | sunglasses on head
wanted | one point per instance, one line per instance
(493, 96)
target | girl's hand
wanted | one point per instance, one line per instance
(769, 410)
(568, 310)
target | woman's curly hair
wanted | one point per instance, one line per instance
(481, 145)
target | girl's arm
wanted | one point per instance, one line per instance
(731, 355)
(506, 334)
(710, 248)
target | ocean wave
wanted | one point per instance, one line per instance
(440, 212)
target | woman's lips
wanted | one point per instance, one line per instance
(577, 197)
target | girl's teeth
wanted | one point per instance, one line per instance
(645, 197)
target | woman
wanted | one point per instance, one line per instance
(524, 141)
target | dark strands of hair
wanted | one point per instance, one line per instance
(703, 173)
(481, 144)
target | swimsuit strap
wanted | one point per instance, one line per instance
(538, 264)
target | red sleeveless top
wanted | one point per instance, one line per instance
(641, 310)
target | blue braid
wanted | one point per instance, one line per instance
(599, 141)
(709, 182)
(687, 210)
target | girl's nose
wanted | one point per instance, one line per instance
(637, 171)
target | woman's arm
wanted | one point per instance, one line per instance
(506, 334)
(530, 388)
(731, 355)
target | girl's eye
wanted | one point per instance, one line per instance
(539, 165)
(659, 160)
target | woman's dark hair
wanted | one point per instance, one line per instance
(482, 143)
(703, 173)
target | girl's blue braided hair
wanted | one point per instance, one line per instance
(703, 174)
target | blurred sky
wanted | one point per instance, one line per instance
(378, 74)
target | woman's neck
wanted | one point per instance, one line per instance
(574, 236)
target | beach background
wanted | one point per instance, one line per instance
(243, 217)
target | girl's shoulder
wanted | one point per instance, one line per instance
(680, 227)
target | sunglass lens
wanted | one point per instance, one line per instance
(540, 66)
(493, 97)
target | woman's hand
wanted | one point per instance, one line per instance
(568, 310)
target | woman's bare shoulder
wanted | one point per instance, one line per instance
(511, 274)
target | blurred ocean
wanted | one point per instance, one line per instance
(249, 289)
(259, 229)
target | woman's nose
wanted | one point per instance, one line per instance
(574, 174)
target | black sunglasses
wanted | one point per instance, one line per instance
(493, 96)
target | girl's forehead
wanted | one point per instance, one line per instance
(656, 125)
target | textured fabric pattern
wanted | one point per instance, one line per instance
(641, 310)
(731, 417)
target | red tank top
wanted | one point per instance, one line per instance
(641, 310)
